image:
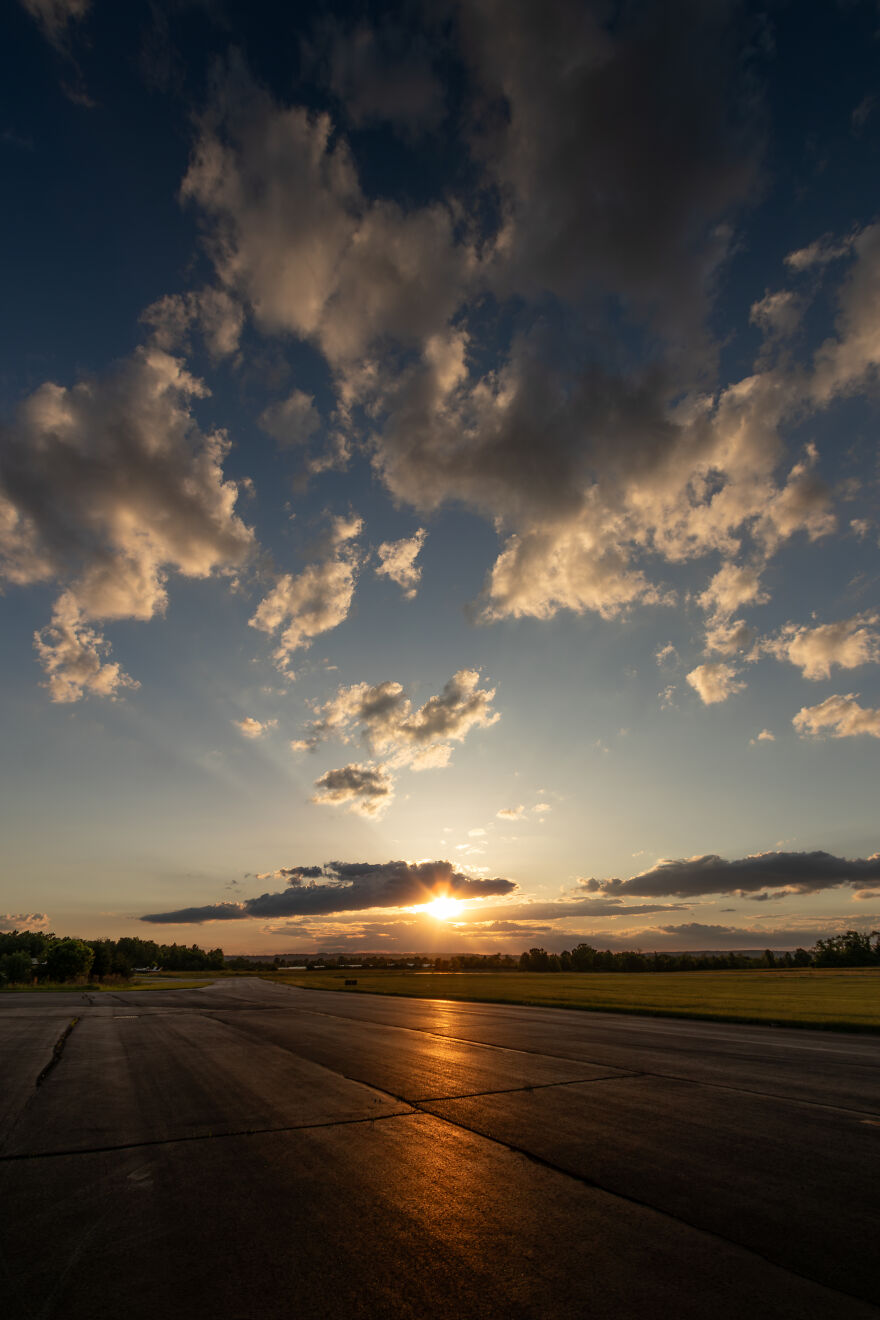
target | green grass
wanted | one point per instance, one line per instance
(846, 999)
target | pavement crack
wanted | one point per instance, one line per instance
(410, 1111)
(57, 1051)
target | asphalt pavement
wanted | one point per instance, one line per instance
(254, 1150)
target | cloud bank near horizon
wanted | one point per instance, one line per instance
(345, 887)
(792, 872)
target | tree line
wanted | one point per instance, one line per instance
(854, 948)
(27, 956)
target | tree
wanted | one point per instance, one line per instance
(16, 967)
(69, 959)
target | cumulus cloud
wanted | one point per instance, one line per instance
(348, 887)
(850, 358)
(316, 600)
(384, 718)
(797, 872)
(292, 234)
(73, 656)
(397, 561)
(729, 636)
(778, 314)
(714, 682)
(292, 421)
(589, 472)
(847, 644)
(733, 586)
(764, 736)
(252, 728)
(110, 486)
(839, 716)
(511, 813)
(213, 312)
(23, 921)
(367, 790)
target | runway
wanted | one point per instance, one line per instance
(250, 1149)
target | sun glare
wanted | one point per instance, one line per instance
(443, 908)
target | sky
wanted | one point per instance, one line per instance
(438, 460)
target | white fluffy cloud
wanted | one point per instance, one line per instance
(316, 600)
(295, 237)
(847, 644)
(839, 717)
(73, 656)
(383, 718)
(397, 561)
(251, 728)
(714, 682)
(109, 487)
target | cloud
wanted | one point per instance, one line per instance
(566, 909)
(292, 421)
(586, 468)
(595, 151)
(764, 736)
(291, 233)
(366, 790)
(109, 487)
(397, 561)
(73, 656)
(383, 717)
(385, 75)
(778, 314)
(252, 728)
(348, 887)
(217, 316)
(714, 682)
(850, 358)
(56, 16)
(733, 586)
(798, 872)
(667, 656)
(847, 644)
(839, 717)
(10, 921)
(511, 813)
(316, 600)
(729, 636)
(819, 253)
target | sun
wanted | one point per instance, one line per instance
(443, 907)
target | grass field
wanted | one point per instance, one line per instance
(846, 999)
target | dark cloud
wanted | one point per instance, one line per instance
(366, 789)
(798, 872)
(625, 135)
(579, 907)
(347, 887)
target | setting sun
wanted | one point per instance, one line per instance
(443, 907)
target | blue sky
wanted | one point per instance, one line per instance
(439, 458)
